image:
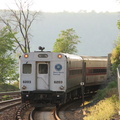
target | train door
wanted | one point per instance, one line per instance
(42, 76)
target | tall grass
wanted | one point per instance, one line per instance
(103, 110)
(107, 107)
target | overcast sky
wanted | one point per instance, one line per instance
(67, 5)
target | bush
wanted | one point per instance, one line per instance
(108, 91)
(107, 107)
(7, 87)
(103, 110)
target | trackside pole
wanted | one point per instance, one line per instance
(82, 83)
(118, 75)
(82, 90)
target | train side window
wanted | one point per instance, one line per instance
(75, 72)
(43, 68)
(27, 68)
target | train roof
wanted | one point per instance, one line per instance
(65, 54)
(72, 56)
(95, 58)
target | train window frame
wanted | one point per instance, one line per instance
(27, 68)
(43, 69)
(97, 71)
(75, 72)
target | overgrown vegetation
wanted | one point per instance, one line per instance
(115, 58)
(6, 97)
(107, 107)
(109, 90)
(8, 64)
(7, 87)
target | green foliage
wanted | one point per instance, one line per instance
(6, 97)
(103, 110)
(110, 89)
(66, 42)
(118, 24)
(6, 41)
(7, 62)
(16, 84)
(115, 58)
(107, 107)
(112, 84)
(7, 87)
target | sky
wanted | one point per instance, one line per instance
(67, 5)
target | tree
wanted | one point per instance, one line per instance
(66, 42)
(7, 62)
(20, 21)
(115, 58)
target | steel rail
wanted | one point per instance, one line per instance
(9, 103)
(9, 93)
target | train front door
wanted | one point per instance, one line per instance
(42, 76)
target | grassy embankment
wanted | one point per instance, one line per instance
(107, 107)
(8, 88)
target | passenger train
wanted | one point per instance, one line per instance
(52, 78)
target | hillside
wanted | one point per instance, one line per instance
(97, 31)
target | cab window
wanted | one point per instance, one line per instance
(43, 68)
(27, 68)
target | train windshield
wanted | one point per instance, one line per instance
(27, 68)
(43, 68)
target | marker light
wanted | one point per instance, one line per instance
(61, 87)
(24, 87)
(59, 56)
(26, 55)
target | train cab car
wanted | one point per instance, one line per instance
(48, 78)
(45, 77)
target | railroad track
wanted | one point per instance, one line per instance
(24, 111)
(45, 113)
(14, 94)
(9, 103)
(67, 111)
(71, 111)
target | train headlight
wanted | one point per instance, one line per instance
(26, 55)
(58, 96)
(27, 95)
(24, 87)
(59, 56)
(61, 87)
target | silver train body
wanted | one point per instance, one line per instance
(53, 78)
